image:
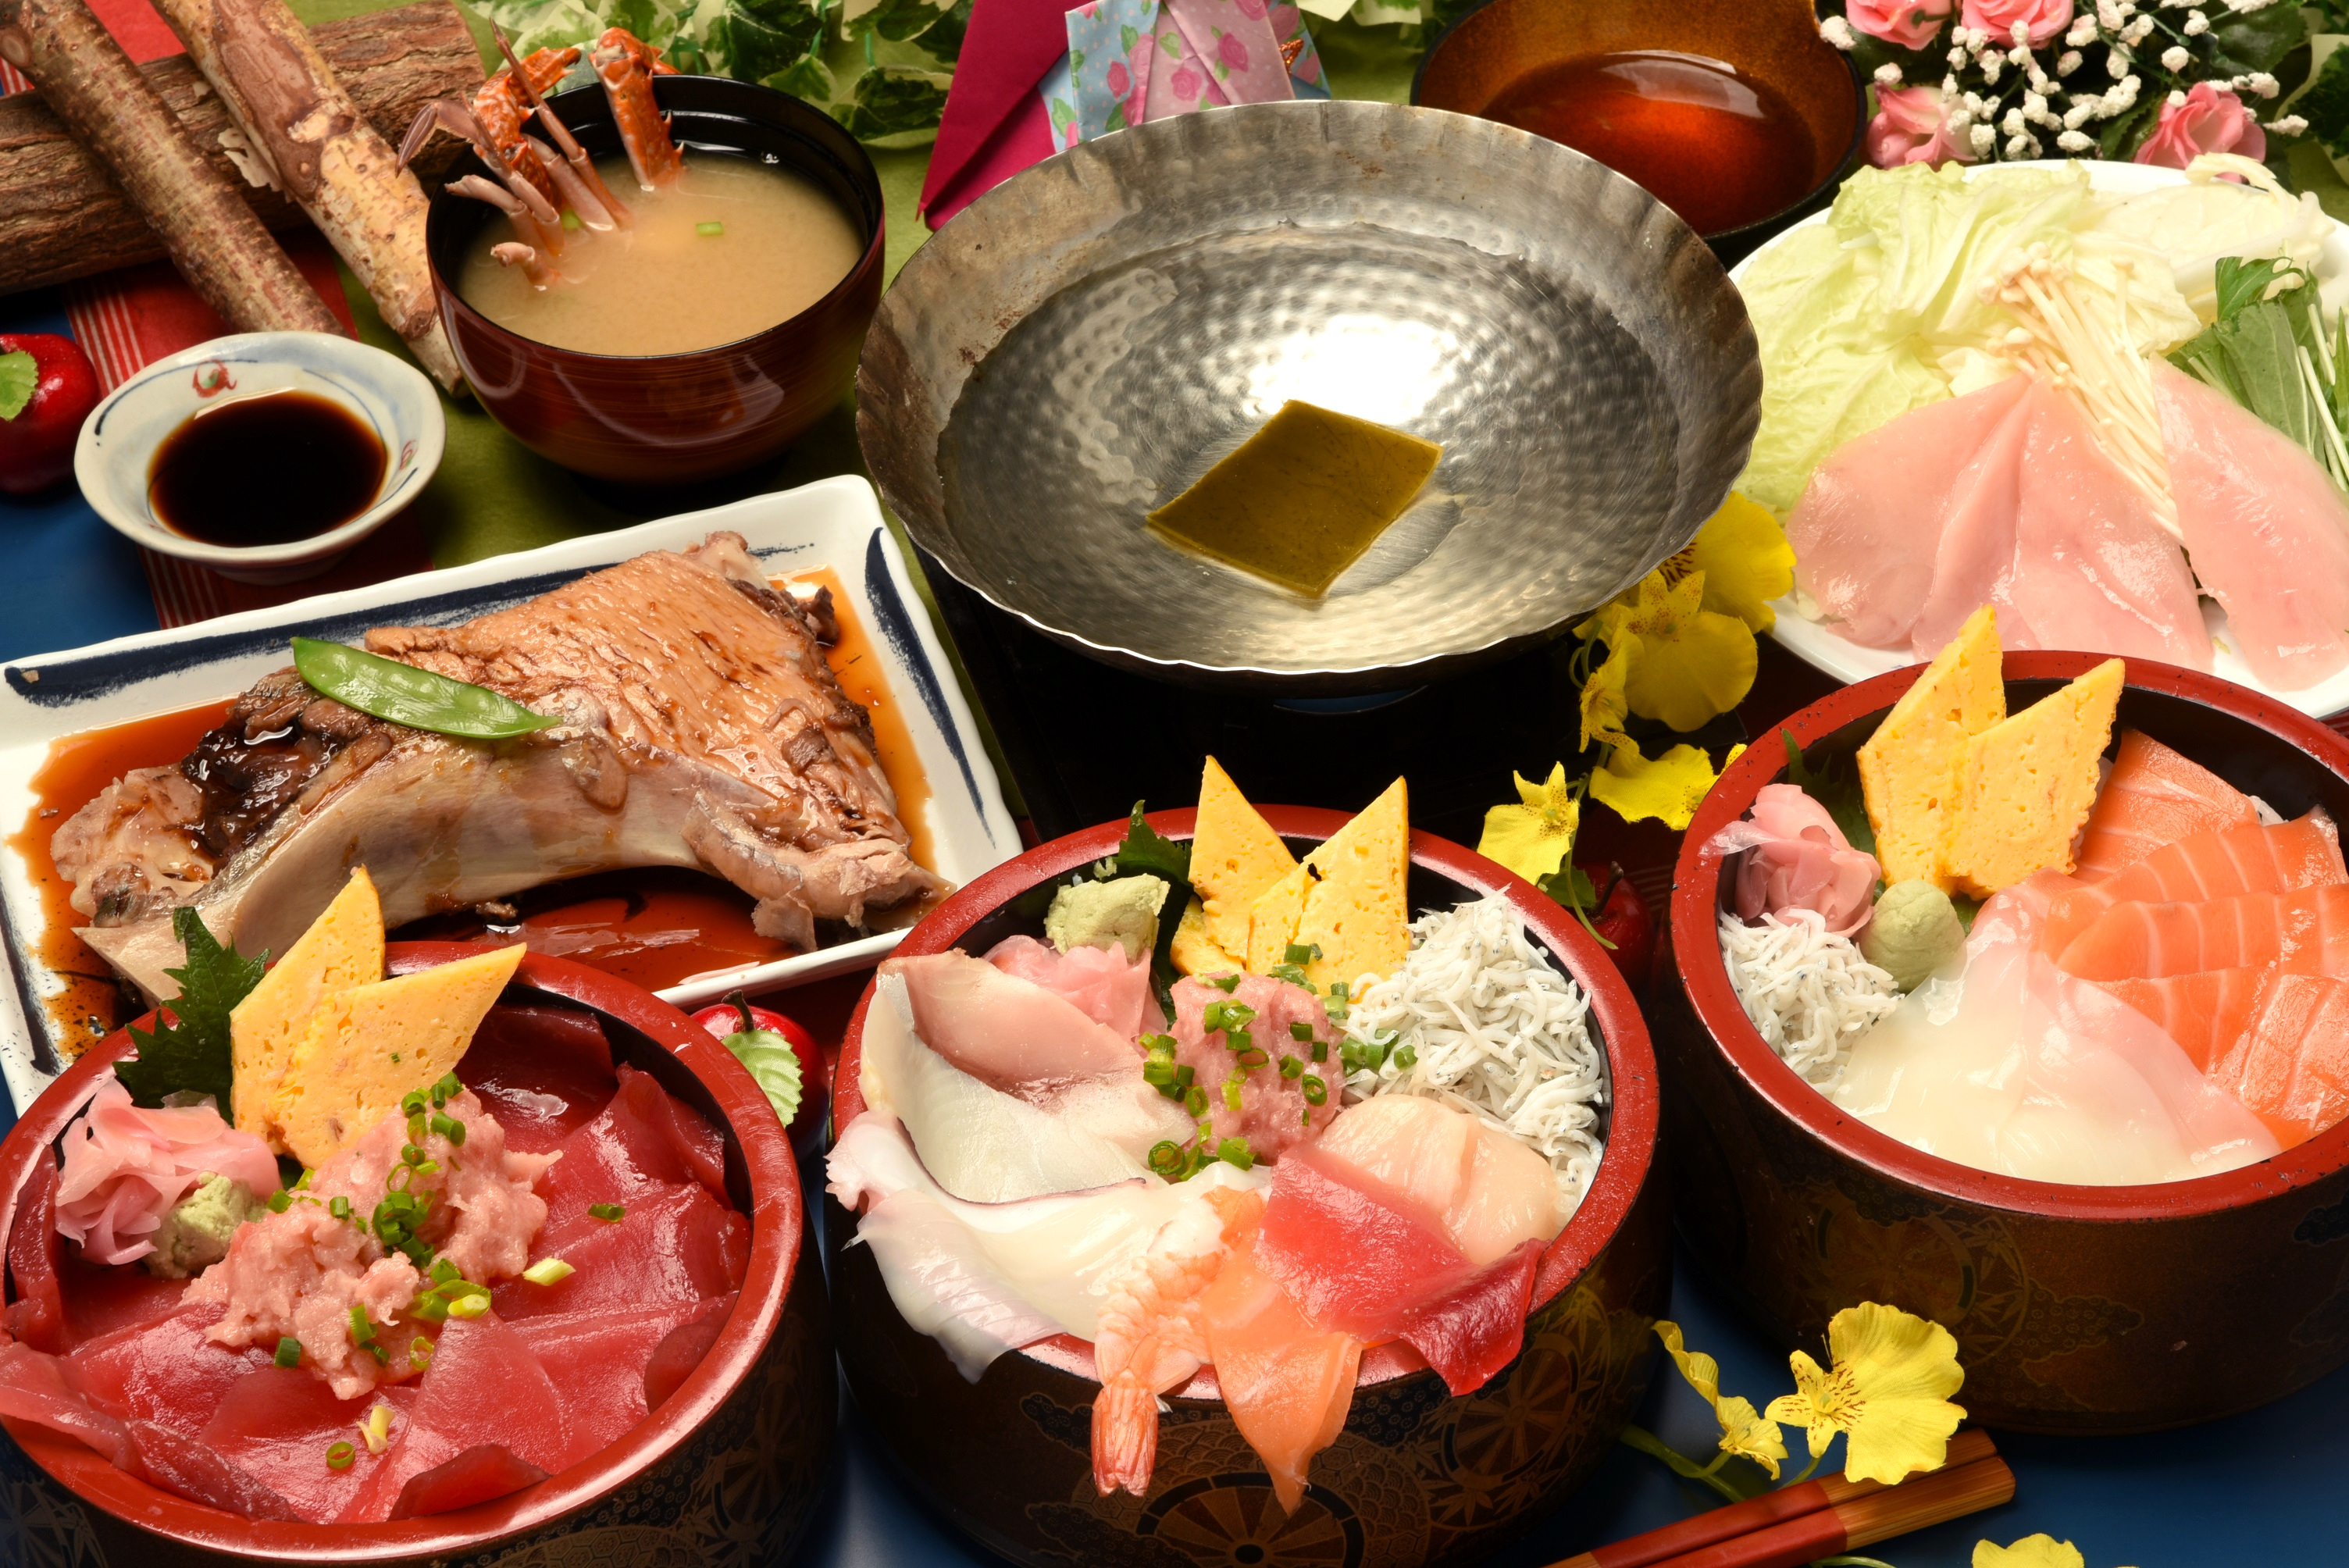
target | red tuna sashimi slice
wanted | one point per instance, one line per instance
(2305, 931)
(1866, 527)
(671, 1247)
(478, 1474)
(642, 1141)
(2204, 1011)
(2222, 864)
(597, 1362)
(164, 1372)
(101, 1301)
(1356, 1263)
(276, 1424)
(2093, 567)
(33, 1388)
(37, 1314)
(2154, 797)
(1288, 1384)
(2291, 1062)
(179, 1463)
(1973, 556)
(2269, 534)
(483, 1386)
(681, 1351)
(543, 1072)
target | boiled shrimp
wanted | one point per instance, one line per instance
(1152, 1338)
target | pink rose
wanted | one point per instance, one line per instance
(1232, 52)
(2212, 119)
(1251, 9)
(2044, 18)
(1911, 127)
(1907, 24)
(1119, 81)
(1284, 20)
(1187, 84)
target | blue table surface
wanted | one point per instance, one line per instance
(2252, 1489)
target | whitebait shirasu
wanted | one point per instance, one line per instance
(1809, 993)
(1492, 1029)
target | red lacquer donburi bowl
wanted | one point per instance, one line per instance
(668, 418)
(1418, 1477)
(2076, 1309)
(727, 1470)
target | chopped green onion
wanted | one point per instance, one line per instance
(1239, 1040)
(1227, 984)
(1315, 1091)
(419, 1353)
(362, 1330)
(1159, 1045)
(1406, 1057)
(1166, 1157)
(1290, 973)
(375, 1429)
(411, 1102)
(1290, 1066)
(280, 1200)
(1211, 1016)
(428, 1168)
(1194, 1100)
(1236, 1153)
(1232, 1093)
(341, 1208)
(303, 1185)
(289, 1351)
(1238, 1014)
(430, 1308)
(339, 1457)
(1321, 1050)
(709, 230)
(1158, 1073)
(570, 220)
(1171, 1090)
(443, 1271)
(1251, 1056)
(468, 1306)
(397, 1182)
(548, 1271)
(1183, 1075)
(1340, 990)
(449, 1127)
(1301, 1030)
(446, 1090)
(607, 1213)
(1303, 953)
(410, 1155)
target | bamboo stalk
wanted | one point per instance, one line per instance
(1737, 1519)
(282, 96)
(214, 240)
(62, 217)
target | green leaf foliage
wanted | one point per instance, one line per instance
(18, 376)
(1145, 851)
(891, 101)
(189, 1050)
(2244, 42)
(2325, 104)
(773, 1064)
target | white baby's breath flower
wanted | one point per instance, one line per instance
(2176, 98)
(2084, 30)
(1983, 138)
(2075, 142)
(1992, 66)
(1838, 31)
(2117, 64)
(1888, 75)
(2108, 13)
(2013, 123)
(2176, 58)
(2289, 125)
(1958, 58)
(2263, 84)
(2083, 110)
(2067, 62)
(2197, 23)
(1949, 86)
(2021, 147)
(1960, 120)
(2136, 32)
(2021, 36)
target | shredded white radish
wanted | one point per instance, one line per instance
(1495, 1030)
(1809, 993)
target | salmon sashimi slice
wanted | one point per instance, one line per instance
(2290, 1065)
(1287, 1383)
(2154, 797)
(2226, 863)
(2205, 1011)
(2305, 931)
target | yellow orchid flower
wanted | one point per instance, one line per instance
(1745, 560)
(1532, 838)
(1743, 1431)
(1605, 703)
(1668, 788)
(2031, 1552)
(1888, 1391)
(1691, 663)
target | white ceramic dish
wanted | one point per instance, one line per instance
(1822, 645)
(390, 395)
(835, 523)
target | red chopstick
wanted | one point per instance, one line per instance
(1685, 1544)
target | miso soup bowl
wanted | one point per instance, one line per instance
(668, 418)
(727, 1470)
(1417, 1477)
(2077, 1310)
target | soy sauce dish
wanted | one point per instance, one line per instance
(253, 454)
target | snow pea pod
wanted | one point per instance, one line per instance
(406, 695)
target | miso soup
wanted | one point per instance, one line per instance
(734, 247)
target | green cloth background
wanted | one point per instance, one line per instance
(492, 495)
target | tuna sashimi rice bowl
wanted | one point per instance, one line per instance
(1220, 1119)
(327, 1248)
(2111, 400)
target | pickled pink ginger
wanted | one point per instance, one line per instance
(126, 1168)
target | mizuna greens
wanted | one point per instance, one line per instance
(2270, 351)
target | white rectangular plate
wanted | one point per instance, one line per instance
(834, 523)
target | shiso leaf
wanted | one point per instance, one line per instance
(189, 1050)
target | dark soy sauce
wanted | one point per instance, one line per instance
(1713, 144)
(269, 468)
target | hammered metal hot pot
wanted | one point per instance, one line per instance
(1086, 339)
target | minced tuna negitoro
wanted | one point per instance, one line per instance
(489, 1283)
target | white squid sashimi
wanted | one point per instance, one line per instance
(990, 1147)
(985, 1278)
(2016, 1068)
